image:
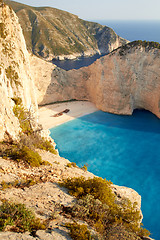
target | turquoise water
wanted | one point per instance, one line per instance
(123, 149)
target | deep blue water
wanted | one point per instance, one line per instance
(135, 30)
(123, 149)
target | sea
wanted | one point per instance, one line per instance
(123, 149)
(135, 30)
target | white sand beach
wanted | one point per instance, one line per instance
(76, 109)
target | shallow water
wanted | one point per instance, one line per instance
(123, 149)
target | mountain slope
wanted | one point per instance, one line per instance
(50, 33)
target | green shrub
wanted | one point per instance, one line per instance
(56, 162)
(17, 100)
(97, 204)
(97, 187)
(18, 184)
(45, 145)
(3, 33)
(24, 118)
(21, 153)
(26, 155)
(92, 210)
(117, 230)
(71, 164)
(24, 150)
(85, 167)
(78, 232)
(34, 140)
(18, 217)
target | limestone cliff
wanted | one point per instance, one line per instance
(126, 79)
(15, 75)
(53, 33)
(53, 84)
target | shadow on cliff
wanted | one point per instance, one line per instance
(140, 120)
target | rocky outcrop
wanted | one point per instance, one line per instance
(15, 74)
(124, 80)
(53, 33)
(45, 196)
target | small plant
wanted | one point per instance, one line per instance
(17, 100)
(24, 118)
(78, 232)
(97, 205)
(26, 155)
(71, 164)
(18, 184)
(34, 140)
(20, 152)
(45, 145)
(85, 167)
(18, 217)
(3, 33)
(97, 187)
(56, 162)
(12, 75)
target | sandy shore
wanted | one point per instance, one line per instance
(76, 109)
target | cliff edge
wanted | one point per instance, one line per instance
(124, 80)
(16, 80)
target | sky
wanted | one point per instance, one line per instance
(105, 9)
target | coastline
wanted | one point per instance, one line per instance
(76, 109)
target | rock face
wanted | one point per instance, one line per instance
(15, 74)
(126, 79)
(52, 33)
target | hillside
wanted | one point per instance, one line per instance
(50, 33)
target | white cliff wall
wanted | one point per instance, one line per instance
(15, 75)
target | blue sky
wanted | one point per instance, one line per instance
(105, 9)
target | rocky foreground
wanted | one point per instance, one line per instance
(45, 196)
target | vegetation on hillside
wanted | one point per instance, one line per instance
(123, 50)
(17, 218)
(18, 183)
(3, 33)
(79, 231)
(53, 32)
(24, 150)
(99, 207)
